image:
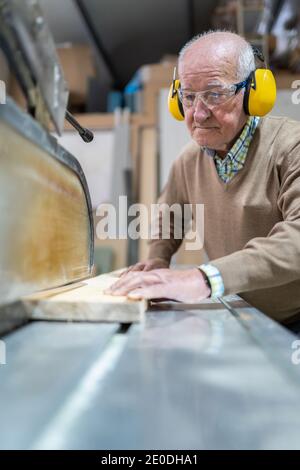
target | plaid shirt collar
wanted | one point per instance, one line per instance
(236, 157)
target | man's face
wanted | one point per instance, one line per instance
(215, 127)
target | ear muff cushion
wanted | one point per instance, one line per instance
(174, 103)
(259, 100)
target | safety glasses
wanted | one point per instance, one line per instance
(215, 96)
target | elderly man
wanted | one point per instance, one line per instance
(246, 172)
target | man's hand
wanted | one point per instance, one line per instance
(183, 285)
(149, 265)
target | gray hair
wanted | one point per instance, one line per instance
(245, 60)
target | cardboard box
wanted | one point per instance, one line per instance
(78, 65)
(4, 70)
(157, 74)
(16, 93)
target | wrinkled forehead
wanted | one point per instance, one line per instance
(201, 67)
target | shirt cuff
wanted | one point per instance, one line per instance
(215, 279)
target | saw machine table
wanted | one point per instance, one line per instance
(206, 377)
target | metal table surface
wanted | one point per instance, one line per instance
(208, 378)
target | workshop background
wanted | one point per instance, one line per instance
(118, 61)
(80, 369)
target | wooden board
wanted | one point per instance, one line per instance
(84, 301)
(107, 121)
(148, 182)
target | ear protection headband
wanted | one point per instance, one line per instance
(259, 95)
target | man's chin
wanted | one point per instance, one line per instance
(206, 138)
(209, 143)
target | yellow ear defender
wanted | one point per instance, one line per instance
(260, 93)
(259, 96)
(174, 103)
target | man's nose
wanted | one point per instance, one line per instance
(201, 112)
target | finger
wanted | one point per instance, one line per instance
(123, 281)
(131, 281)
(134, 281)
(138, 267)
(122, 272)
(148, 267)
(134, 267)
(152, 292)
(153, 267)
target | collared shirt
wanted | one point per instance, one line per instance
(227, 169)
(235, 158)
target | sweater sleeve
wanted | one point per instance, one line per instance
(273, 260)
(167, 226)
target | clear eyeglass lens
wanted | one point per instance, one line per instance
(213, 97)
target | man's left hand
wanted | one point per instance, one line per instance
(186, 285)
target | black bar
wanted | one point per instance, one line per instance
(191, 18)
(99, 44)
(134, 459)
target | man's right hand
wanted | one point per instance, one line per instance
(155, 263)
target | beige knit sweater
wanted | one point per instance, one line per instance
(252, 223)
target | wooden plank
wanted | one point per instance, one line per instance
(135, 133)
(44, 294)
(102, 121)
(85, 302)
(94, 121)
(148, 182)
